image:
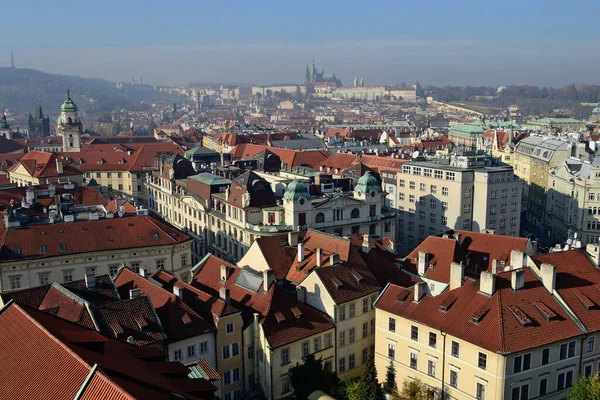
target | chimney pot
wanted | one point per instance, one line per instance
(420, 289)
(143, 273)
(224, 273)
(517, 280)
(487, 283)
(301, 293)
(268, 279)
(300, 252)
(224, 294)
(423, 262)
(517, 259)
(457, 275)
(334, 259)
(293, 238)
(319, 257)
(494, 266)
(548, 274)
(177, 291)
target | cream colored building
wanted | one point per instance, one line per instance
(433, 197)
(473, 343)
(66, 251)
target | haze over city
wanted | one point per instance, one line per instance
(545, 43)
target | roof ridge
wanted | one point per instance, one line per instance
(501, 320)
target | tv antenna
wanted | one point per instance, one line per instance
(12, 60)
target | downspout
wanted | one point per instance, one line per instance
(256, 345)
(443, 362)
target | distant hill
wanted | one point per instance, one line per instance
(21, 89)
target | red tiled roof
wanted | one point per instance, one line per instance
(11, 146)
(114, 206)
(279, 257)
(210, 372)
(88, 236)
(33, 344)
(40, 164)
(498, 330)
(275, 301)
(386, 271)
(576, 279)
(442, 252)
(292, 158)
(171, 310)
(249, 182)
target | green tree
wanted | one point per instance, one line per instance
(311, 376)
(367, 387)
(586, 389)
(390, 379)
(413, 389)
(116, 128)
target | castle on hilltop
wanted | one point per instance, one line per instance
(313, 76)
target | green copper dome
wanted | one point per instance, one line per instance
(295, 190)
(368, 182)
(68, 105)
(59, 120)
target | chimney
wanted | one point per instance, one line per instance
(517, 259)
(300, 252)
(301, 293)
(458, 237)
(90, 280)
(319, 257)
(593, 252)
(30, 195)
(487, 283)
(366, 243)
(130, 340)
(517, 280)
(59, 166)
(334, 259)
(423, 262)
(177, 291)
(134, 293)
(224, 273)
(494, 266)
(457, 275)
(268, 279)
(293, 238)
(420, 289)
(548, 273)
(224, 294)
(143, 273)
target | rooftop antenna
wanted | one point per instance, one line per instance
(12, 60)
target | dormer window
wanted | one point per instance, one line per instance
(42, 248)
(17, 251)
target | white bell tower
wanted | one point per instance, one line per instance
(69, 126)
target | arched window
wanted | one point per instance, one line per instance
(320, 218)
(69, 121)
(355, 213)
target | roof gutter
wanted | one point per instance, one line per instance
(86, 383)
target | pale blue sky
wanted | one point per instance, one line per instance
(539, 42)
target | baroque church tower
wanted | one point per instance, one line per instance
(69, 126)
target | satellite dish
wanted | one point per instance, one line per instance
(415, 154)
(569, 241)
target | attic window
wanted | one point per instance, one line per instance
(447, 303)
(108, 227)
(60, 231)
(141, 323)
(402, 298)
(478, 316)
(130, 224)
(42, 248)
(62, 246)
(279, 317)
(546, 312)
(185, 318)
(84, 229)
(357, 276)
(42, 232)
(17, 251)
(338, 284)
(155, 235)
(116, 328)
(110, 240)
(585, 301)
(297, 312)
(520, 316)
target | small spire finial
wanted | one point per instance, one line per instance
(69, 94)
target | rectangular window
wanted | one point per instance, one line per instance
(431, 368)
(454, 378)
(444, 205)
(545, 356)
(482, 361)
(226, 352)
(411, 185)
(342, 364)
(391, 351)
(351, 335)
(438, 174)
(351, 362)
(250, 352)
(432, 339)
(15, 282)
(227, 378)
(588, 369)
(68, 276)
(342, 313)
(160, 264)
(433, 189)
(413, 360)
(543, 386)
(351, 310)
(565, 380)
(414, 333)
(235, 349)
(44, 278)
(572, 349)
(342, 338)
(444, 191)
(520, 392)
(328, 340)
(365, 305)
(305, 348)
(372, 326)
(590, 344)
(480, 393)
(392, 324)
(365, 355)
(467, 208)
(422, 187)
(317, 343)
(285, 356)
(177, 356)
(191, 351)
(204, 347)
(230, 327)
(286, 385)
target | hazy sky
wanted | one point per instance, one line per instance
(542, 42)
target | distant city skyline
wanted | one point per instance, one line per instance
(543, 43)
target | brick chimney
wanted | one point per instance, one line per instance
(548, 275)
(268, 279)
(59, 166)
(487, 283)
(457, 275)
